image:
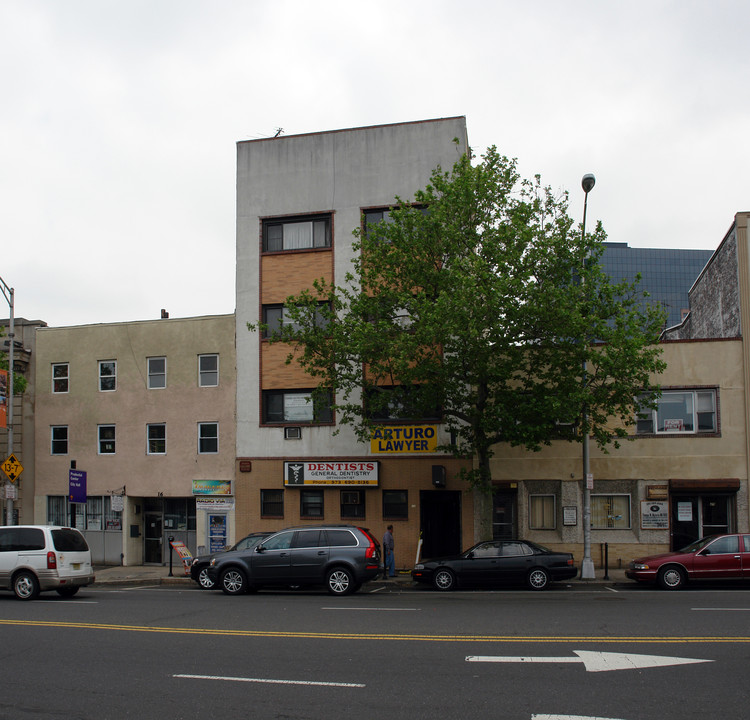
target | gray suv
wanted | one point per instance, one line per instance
(341, 557)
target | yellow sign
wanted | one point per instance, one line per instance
(396, 439)
(12, 468)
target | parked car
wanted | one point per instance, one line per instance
(199, 566)
(36, 558)
(341, 557)
(497, 562)
(719, 557)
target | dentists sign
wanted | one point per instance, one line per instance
(331, 473)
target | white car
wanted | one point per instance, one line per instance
(35, 558)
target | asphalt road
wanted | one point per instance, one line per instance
(176, 652)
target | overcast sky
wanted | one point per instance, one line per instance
(119, 122)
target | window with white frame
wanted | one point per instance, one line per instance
(277, 316)
(107, 375)
(156, 439)
(157, 372)
(610, 512)
(302, 233)
(542, 515)
(679, 412)
(208, 438)
(59, 440)
(208, 370)
(106, 439)
(60, 377)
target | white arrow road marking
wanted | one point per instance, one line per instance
(596, 661)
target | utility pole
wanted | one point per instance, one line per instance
(8, 293)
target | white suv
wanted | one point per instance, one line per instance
(34, 558)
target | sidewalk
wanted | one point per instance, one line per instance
(159, 575)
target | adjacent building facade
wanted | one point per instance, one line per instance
(146, 411)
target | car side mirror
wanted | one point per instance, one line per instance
(259, 548)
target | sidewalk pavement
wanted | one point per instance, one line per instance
(159, 575)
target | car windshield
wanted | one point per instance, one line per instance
(697, 545)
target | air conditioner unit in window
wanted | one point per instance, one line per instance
(292, 433)
(350, 498)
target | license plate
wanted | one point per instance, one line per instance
(76, 566)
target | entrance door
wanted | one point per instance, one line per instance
(504, 515)
(698, 516)
(153, 538)
(440, 517)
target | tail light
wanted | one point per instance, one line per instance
(372, 550)
(51, 561)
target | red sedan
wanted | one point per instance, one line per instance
(720, 557)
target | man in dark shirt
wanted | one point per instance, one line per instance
(389, 564)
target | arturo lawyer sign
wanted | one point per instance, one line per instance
(395, 439)
(328, 473)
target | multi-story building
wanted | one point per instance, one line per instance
(299, 198)
(146, 411)
(667, 274)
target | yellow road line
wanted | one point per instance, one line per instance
(384, 636)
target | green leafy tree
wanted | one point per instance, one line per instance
(480, 298)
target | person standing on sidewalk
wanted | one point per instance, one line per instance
(389, 563)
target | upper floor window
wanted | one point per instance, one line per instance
(296, 406)
(208, 370)
(59, 444)
(106, 439)
(276, 316)
(157, 373)
(303, 233)
(680, 412)
(208, 438)
(60, 377)
(107, 375)
(398, 402)
(156, 439)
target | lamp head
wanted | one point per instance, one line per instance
(587, 182)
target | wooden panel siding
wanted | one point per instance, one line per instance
(285, 274)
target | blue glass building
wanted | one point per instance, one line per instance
(667, 275)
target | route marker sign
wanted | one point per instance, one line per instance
(596, 661)
(12, 467)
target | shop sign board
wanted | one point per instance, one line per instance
(331, 473)
(398, 439)
(212, 487)
(654, 515)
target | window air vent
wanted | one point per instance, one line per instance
(292, 433)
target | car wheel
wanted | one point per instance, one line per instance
(672, 578)
(538, 579)
(67, 592)
(340, 581)
(203, 580)
(233, 581)
(444, 579)
(26, 586)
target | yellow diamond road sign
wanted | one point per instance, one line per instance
(12, 468)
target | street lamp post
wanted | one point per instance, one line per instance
(587, 566)
(9, 293)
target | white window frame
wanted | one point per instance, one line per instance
(544, 499)
(153, 373)
(53, 440)
(103, 377)
(613, 522)
(149, 451)
(101, 441)
(202, 437)
(202, 372)
(65, 377)
(660, 425)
